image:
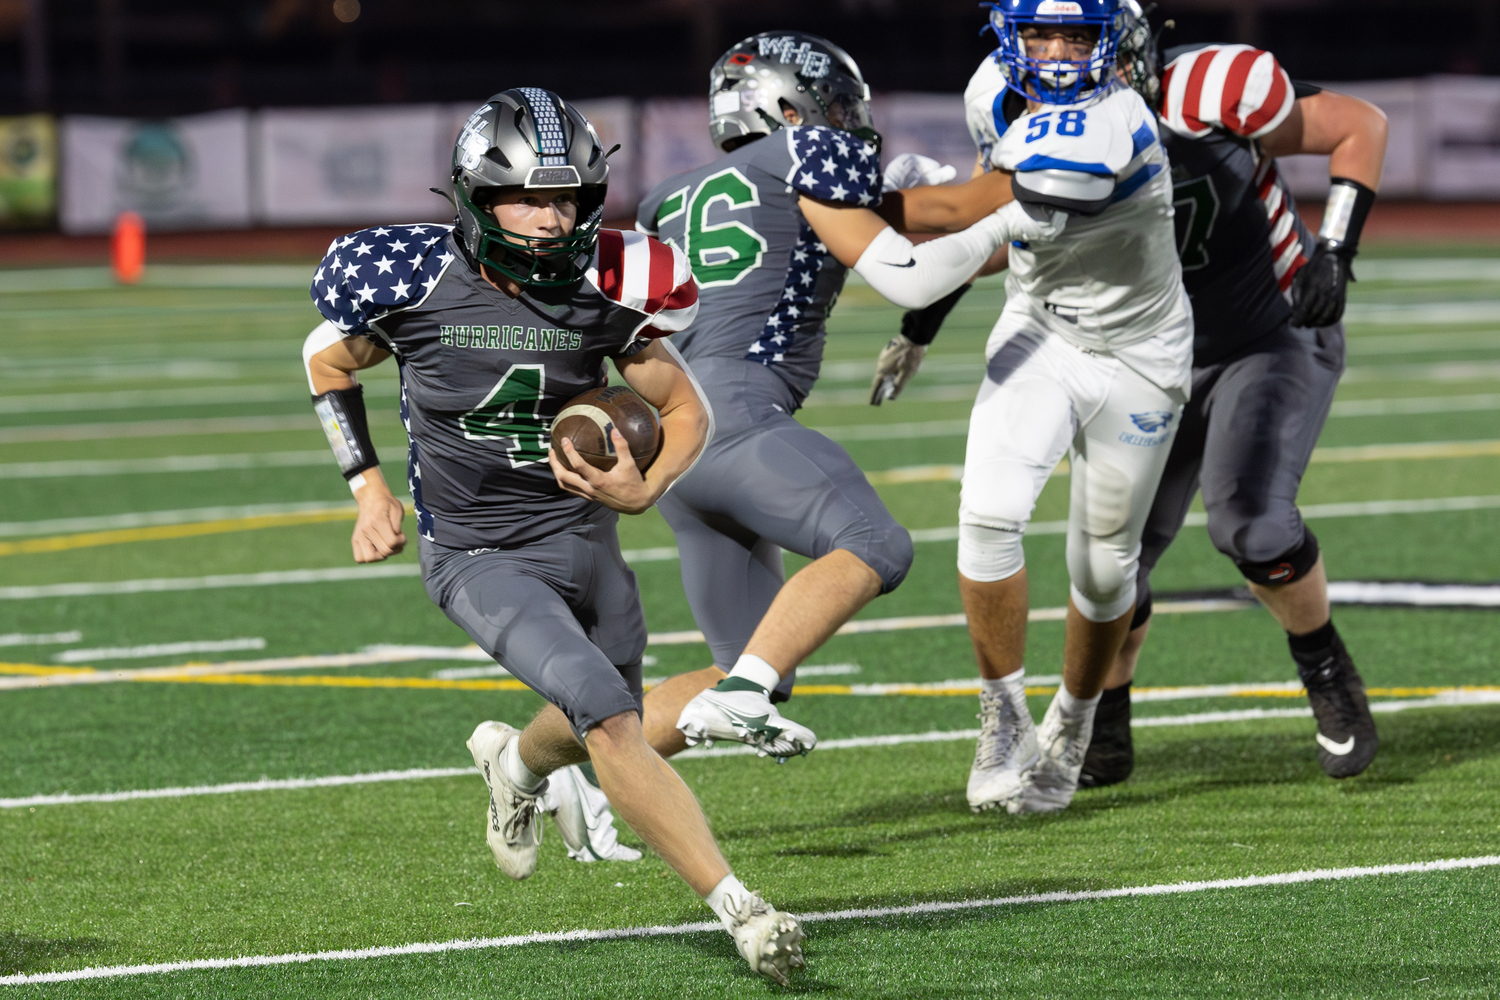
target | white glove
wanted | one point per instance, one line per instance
(898, 362)
(1032, 223)
(911, 170)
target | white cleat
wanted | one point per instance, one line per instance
(1007, 750)
(770, 941)
(583, 817)
(513, 827)
(744, 717)
(1062, 744)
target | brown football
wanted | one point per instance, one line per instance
(587, 418)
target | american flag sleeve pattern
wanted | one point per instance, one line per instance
(832, 165)
(1237, 88)
(648, 277)
(373, 272)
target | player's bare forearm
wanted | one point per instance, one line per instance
(1350, 132)
(946, 208)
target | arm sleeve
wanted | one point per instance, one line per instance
(1237, 88)
(835, 166)
(914, 277)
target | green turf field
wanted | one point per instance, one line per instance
(164, 483)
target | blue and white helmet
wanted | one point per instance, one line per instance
(1049, 81)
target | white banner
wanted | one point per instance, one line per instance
(179, 173)
(1463, 121)
(352, 165)
(674, 138)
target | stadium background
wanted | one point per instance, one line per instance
(168, 500)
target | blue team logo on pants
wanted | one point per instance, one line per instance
(1152, 420)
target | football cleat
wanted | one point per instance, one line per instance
(1111, 755)
(769, 940)
(513, 827)
(1007, 749)
(583, 817)
(1062, 744)
(1346, 736)
(744, 716)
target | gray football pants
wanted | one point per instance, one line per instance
(1246, 437)
(767, 483)
(561, 614)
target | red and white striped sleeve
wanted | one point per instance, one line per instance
(647, 276)
(1237, 88)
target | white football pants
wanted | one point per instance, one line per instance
(1042, 398)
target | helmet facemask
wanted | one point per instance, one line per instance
(1054, 81)
(537, 261)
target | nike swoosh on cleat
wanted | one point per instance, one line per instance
(1337, 749)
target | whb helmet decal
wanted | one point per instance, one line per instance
(528, 138)
(1050, 81)
(753, 84)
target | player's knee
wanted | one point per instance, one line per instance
(988, 553)
(1291, 565)
(1103, 576)
(884, 547)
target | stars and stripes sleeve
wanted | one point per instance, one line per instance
(831, 165)
(646, 276)
(1238, 88)
(369, 273)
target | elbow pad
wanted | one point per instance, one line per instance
(915, 277)
(1070, 190)
(342, 414)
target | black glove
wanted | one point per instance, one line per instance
(1318, 289)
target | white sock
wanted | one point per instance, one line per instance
(1070, 707)
(756, 671)
(1013, 686)
(516, 770)
(724, 899)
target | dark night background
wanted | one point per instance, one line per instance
(154, 57)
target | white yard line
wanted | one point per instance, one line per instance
(167, 463)
(1421, 313)
(707, 927)
(134, 399)
(159, 649)
(1451, 699)
(157, 428)
(153, 518)
(40, 638)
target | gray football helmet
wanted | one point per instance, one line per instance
(1138, 55)
(528, 138)
(751, 83)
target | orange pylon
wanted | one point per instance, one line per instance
(127, 248)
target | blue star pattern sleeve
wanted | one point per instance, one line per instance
(833, 166)
(368, 274)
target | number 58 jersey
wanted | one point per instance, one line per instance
(1112, 278)
(484, 374)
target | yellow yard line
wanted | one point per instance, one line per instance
(92, 539)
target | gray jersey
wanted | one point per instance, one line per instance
(484, 374)
(766, 281)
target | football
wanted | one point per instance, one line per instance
(587, 418)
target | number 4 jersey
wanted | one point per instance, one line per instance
(766, 280)
(483, 374)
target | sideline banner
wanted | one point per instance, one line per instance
(352, 165)
(178, 173)
(930, 124)
(28, 171)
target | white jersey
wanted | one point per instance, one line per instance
(1112, 279)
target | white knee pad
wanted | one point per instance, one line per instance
(987, 554)
(1103, 578)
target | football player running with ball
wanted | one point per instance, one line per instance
(770, 230)
(495, 325)
(1267, 298)
(1089, 359)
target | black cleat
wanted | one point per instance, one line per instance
(1346, 732)
(1111, 755)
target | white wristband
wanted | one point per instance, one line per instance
(357, 482)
